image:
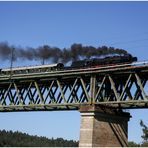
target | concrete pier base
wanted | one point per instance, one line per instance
(103, 127)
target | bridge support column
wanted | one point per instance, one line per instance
(103, 127)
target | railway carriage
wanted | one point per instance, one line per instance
(33, 69)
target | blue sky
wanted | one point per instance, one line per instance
(118, 24)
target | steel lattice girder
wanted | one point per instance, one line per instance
(68, 93)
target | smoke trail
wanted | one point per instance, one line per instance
(5, 50)
(55, 54)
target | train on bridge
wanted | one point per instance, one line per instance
(86, 63)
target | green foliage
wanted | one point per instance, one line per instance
(145, 131)
(133, 144)
(18, 139)
(144, 137)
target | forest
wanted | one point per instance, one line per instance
(18, 139)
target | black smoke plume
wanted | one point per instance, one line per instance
(55, 54)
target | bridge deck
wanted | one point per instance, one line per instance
(120, 86)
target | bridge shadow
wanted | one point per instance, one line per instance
(120, 132)
(111, 129)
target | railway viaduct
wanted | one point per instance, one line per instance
(99, 94)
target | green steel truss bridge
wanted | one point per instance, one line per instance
(120, 86)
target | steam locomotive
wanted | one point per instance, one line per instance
(86, 63)
(128, 58)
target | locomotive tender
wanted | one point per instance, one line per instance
(86, 63)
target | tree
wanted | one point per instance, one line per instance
(144, 137)
(145, 131)
(145, 134)
(133, 144)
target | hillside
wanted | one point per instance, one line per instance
(18, 139)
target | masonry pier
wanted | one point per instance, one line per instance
(103, 127)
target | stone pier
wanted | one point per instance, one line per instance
(103, 127)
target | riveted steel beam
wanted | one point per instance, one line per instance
(140, 86)
(85, 90)
(93, 88)
(125, 87)
(113, 88)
